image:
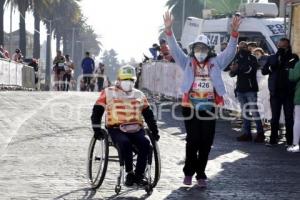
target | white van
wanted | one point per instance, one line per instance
(260, 24)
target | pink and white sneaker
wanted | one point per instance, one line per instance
(202, 183)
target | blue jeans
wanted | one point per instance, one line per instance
(248, 101)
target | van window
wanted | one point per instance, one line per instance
(258, 38)
(244, 36)
(276, 38)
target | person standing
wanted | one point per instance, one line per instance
(17, 56)
(88, 67)
(69, 67)
(294, 75)
(100, 76)
(245, 67)
(202, 88)
(281, 89)
(59, 69)
(261, 57)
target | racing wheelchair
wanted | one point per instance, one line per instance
(98, 159)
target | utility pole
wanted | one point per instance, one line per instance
(10, 29)
(73, 42)
(48, 58)
(183, 14)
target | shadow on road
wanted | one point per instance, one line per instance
(83, 193)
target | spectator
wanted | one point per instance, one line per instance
(100, 76)
(88, 67)
(245, 68)
(34, 63)
(59, 69)
(165, 51)
(154, 51)
(252, 46)
(138, 74)
(261, 57)
(294, 75)
(281, 89)
(17, 56)
(69, 67)
(3, 53)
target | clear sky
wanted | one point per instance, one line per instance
(128, 26)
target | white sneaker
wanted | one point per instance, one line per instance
(293, 149)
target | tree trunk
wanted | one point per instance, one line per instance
(36, 36)
(66, 43)
(22, 41)
(58, 39)
(48, 59)
(1, 22)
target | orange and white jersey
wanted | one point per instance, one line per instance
(122, 107)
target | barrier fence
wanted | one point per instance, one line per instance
(166, 78)
(16, 74)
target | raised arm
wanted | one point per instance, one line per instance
(224, 58)
(177, 53)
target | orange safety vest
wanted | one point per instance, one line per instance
(122, 107)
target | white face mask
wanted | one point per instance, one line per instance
(200, 56)
(127, 85)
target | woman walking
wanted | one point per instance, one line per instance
(203, 88)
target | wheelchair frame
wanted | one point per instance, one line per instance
(96, 180)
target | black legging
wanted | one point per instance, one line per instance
(199, 139)
(66, 77)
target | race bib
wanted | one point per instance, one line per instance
(202, 85)
(61, 64)
(202, 94)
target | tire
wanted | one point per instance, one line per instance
(96, 177)
(156, 163)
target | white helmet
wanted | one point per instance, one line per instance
(201, 39)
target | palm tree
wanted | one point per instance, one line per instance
(54, 17)
(67, 10)
(38, 7)
(192, 8)
(22, 6)
(223, 7)
(2, 2)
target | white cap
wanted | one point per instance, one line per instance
(201, 39)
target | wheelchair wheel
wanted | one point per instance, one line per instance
(154, 163)
(97, 161)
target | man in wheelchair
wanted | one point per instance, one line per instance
(125, 109)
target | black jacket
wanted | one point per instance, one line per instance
(246, 73)
(277, 67)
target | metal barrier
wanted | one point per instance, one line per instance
(16, 74)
